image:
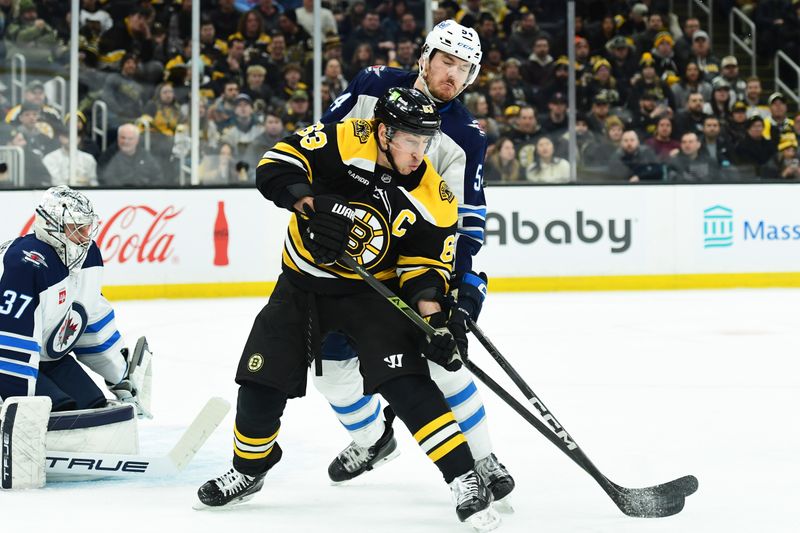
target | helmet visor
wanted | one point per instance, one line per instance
(415, 143)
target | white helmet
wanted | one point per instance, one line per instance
(451, 37)
(65, 219)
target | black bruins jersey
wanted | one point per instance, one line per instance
(405, 225)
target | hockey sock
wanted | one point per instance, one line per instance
(420, 405)
(258, 413)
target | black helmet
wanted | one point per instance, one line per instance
(408, 109)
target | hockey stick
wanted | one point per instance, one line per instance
(661, 500)
(77, 466)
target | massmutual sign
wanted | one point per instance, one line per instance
(721, 229)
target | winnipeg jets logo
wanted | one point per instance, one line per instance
(62, 339)
(68, 330)
(376, 69)
(35, 258)
(395, 360)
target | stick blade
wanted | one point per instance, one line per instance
(198, 432)
(658, 501)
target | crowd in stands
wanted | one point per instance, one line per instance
(654, 102)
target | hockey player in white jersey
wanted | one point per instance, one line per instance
(52, 311)
(450, 62)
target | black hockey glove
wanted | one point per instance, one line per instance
(328, 229)
(441, 348)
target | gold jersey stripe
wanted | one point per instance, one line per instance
(433, 425)
(447, 447)
(252, 441)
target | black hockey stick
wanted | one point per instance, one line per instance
(659, 500)
(650, 502)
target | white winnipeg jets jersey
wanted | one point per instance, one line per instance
(47, 312)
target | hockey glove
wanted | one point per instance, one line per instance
(441, 348)
(135, 384)
(328, 229)
(470, 293)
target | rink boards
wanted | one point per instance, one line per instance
(227, 242)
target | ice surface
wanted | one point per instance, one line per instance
(652, 385)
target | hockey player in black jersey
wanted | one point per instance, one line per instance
(365, 188)
(450, 61)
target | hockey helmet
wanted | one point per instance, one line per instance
(65, 219)
(451, 37)
(407, 109)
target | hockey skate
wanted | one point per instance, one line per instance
(473, 502)
(231, 488)
(355, 460)
(498, 480)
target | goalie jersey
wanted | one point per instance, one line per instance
(404, 228)
(46, 312)
(459, 159)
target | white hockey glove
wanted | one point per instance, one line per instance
(135, 385)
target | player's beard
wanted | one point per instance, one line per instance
(435, 89)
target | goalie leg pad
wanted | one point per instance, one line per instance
(23, 424)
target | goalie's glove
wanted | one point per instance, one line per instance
(442, 347)
(328, 229)
(137, 378)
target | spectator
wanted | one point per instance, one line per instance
(556, 122)
(514, 10)
(487, 33)
(633, 162)
(599, 113)
(721, 102)
(602, 34)
(503, 165)
(753, 95)
(256, 87)
(623, 63)
(602, 82)
(292, 81)
(730, 73)
(778, 123)
(521, 93)
(353, 17)
(754, 151)
(636, 21)
(130, 38)
(129, 165)
(363, 57)
(179, 26)
(332, 76)
(645, 118)
(647, 81)
(270, 13)
(701, 54)
(538, 67)
(547, 167)
(498, 99)
(662, 53)
(368, 32)
(525, 129)
(305, 18)
(522, 40)
(85, 141)
(298, 41)
(692, 118)
(390, 25)
(123, 93)
(37, 141)
(645, 40)
(717, 145)
(784, 164)
(409, 29)
(245, 128)
(225, 18)
(220, 168)
(405, 56)
(796, 121)
(33, 37)
(231, 66)
(252, 32)
(222, 110)
(298, 113)
(693, 164)
(34, 94)
(57, 164)
(212, 49)
(737, 129)
(276, 61)
(662, 142)
(163, 111)
(558, 82)
(585, 140)
(683, 45)
(691, 82)
(272, 132)
(469, 14)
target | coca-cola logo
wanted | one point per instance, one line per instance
(134, 233)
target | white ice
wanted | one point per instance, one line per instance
(652, 385)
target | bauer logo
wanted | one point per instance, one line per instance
(717, 227)
(615, 233)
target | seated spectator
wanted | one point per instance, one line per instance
(221, 112)
(85, 141)
(251, 29)
(730, 73)
(701, 54)
(523, 38)
(602, 83)
(737, 128)
(226, 18)
(38, 142)
(559, 82)
(721, 102)
(363, 56)
(664, 57)
(405, 56)
(645, 40)
(601, 34)
(754, 99)
(556, 122)
(503, 164)
(368, 32)
(525, 129)
(784, 164)
(272, 132)
(537, 68)
(163, 111)
(717, 145)
(276, 61)
(245, 128)
(34, 38)
(498, 99)
(754, 151)
(521, 93)
(297, 113)
(132, 37)
(129, 164)
(220, 167)
(662, 142)
(599, 113)
(585, 141)
(123, 94)
(624, 64)
(683, 45)
(691, 82)
(633, 162)
(645, 118)
(692, 163)
(649, 82)
(692, 118)
(409, 29)
(778, 122)
(34, 93)
(607, 144)
(57, 164)
(231, 67)
(332, 76)
(548, 168)
(256, 87)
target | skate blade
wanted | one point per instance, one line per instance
(485, 520)
(380, 463)
(504, 506)
(200, 506)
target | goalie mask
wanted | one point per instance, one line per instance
(65, 219)
(459, 41)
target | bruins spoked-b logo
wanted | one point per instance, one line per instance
(369, 238)
(255, 362)
(445, 193)
(363, 130)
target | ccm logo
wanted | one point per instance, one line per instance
(137, 467)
